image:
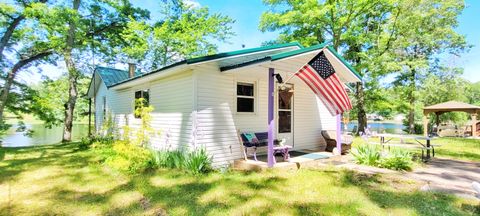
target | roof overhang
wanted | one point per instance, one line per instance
(226, 58)
(292, 61)
(451, 106)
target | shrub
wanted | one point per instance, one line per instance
(125, 157)
(95, 141)
(198, 162)
(367, 154)
(397, 159)
(169, 159)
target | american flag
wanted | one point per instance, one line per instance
(320, 76)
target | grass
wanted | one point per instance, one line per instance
(454, 147)
(63, 180)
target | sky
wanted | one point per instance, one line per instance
(246, 14)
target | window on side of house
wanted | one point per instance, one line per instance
(145, 94)
(245, 97)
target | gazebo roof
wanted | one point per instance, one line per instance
(452, 106)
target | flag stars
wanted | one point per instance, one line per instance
(321, 64)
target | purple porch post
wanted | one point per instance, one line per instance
(271, 123)
(339, 133)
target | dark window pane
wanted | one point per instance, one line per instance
(138, 94)
(245, 89)
(245, 105)
(146, 96)
(284, 121)
(285, 99)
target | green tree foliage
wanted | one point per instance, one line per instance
(22, 44)
(49, 99)
(473, 93)
(75, 27)
(427, 30)
(184, 32)
(362, 30)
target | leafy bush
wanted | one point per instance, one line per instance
(96, 141)
(367, 154)
(175, 159)
(397, 159)
(195, 162)
(198, 162)
(123, 156)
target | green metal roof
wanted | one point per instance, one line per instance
(344, 62)
(267, 50)
(283, 55)
(299, 51)
(112, 76)
(242, 52)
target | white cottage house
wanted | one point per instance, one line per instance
(206, 101)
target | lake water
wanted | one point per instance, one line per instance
(41, 135)
(380, 127)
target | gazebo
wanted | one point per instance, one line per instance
(451, 106)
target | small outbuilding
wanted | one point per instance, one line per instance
(451, 106)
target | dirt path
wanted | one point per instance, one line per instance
(439, 174)
(448, 175)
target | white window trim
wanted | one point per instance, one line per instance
(255, 98)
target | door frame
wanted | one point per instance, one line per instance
(291, 134)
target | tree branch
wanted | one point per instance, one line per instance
(31, 59)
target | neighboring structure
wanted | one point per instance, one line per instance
(375, 117)
(206, 101)
(451, 106)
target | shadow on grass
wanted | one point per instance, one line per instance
(180, 194)
(458, 154)
(424, 203)
(30, 158)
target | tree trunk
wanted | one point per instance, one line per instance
(8, 34)
(411, 100)
(5, 92)
(72, 78)
(13, 73)
(361, 114)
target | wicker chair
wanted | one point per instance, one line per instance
(346, 140)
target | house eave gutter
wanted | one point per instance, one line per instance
(154, 75)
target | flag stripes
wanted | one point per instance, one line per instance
(320, 76)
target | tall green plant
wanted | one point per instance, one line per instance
(198, 161)
(397, 159)
(144, 112)
(367, 154)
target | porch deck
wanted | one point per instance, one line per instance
(298, 159)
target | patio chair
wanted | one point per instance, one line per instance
(331, 141)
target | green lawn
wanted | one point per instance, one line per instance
(62, 180)
(455, 148)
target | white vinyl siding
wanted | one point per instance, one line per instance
(203, 100)
(172, 100)
(216, 129)
(219, 121)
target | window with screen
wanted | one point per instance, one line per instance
(245, 97)
(145, 94)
